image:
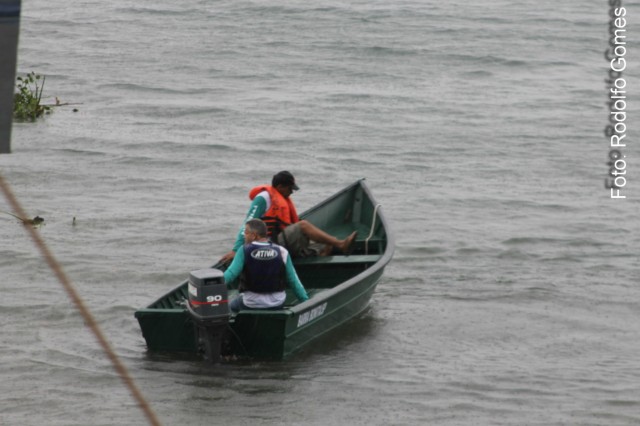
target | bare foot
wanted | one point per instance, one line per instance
(347, 244)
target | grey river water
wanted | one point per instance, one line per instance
(513, 295)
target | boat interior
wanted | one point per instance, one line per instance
(319, 273)
(350, 211)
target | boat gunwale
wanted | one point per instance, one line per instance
(381, 263)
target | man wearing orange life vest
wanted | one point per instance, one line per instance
(274, 206)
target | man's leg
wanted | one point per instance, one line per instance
(236, 304)
(318, 235)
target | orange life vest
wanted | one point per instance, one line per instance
(281, 214)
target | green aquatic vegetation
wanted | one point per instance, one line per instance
(26, 102)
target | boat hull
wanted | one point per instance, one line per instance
(276, 336)
(340, 289)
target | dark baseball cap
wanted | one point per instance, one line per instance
(284, 178)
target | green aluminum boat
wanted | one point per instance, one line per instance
(340, 288)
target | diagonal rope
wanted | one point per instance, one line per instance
(77, 300)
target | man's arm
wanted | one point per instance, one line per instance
(257, 209)
(294, 281)
(235, 269)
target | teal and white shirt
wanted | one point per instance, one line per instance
(266, 300)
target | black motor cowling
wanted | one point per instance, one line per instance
(209, 308)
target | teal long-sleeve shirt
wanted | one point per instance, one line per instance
(235, 269)
(257, 209)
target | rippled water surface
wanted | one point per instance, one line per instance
(513, 295)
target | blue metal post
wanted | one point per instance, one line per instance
(9, 31)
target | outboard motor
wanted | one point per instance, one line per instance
(209, 309)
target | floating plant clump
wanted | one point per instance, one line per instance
(27, 104)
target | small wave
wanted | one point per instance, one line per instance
(175, 146)
(490, 59)
(469, 251)
(529, 240)
(505, 292)
(83, 152)
(130, 87)
(139, 159)
(570, 242)
(623, 403)
(515, 254)
(390, 51)
(156, 11)
(562, 259)
(477, 74)
(422, 250)
(178, 111)
(504, 61)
